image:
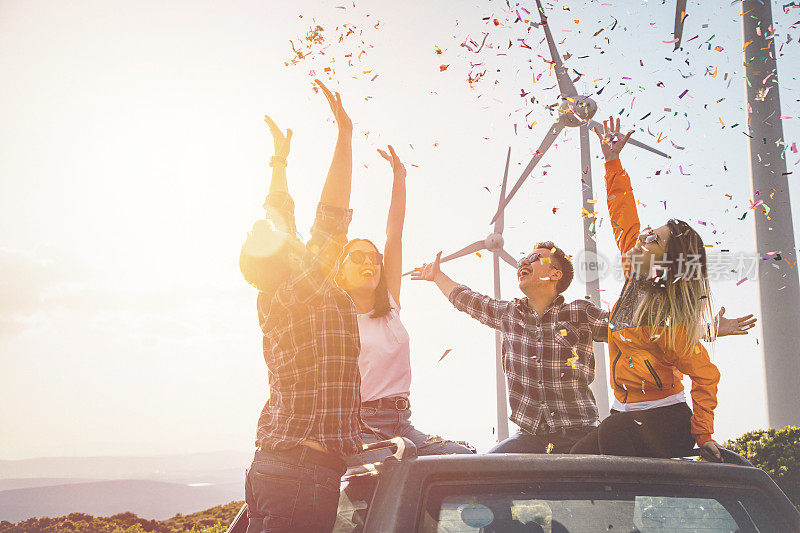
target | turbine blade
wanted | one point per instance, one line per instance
(499, 225)
(546, 143)
(680, 16)
(476, 246)
(507, 257)
(565, 84)
(594, 124)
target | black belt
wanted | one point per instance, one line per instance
(398, 404)
(304, 454)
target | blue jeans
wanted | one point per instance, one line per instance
(524, 442)
(382, 424)
(296, 490)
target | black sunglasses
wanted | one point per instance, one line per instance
(359, 256)
(532, 258)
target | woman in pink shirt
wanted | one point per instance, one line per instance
(373, 282)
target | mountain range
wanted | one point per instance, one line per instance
(152, 487)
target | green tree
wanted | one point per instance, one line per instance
(776, 452)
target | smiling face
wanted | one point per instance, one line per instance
(361, 268)
(651, 243)
(536, 270)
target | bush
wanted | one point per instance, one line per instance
(776, 452)
(214, 520)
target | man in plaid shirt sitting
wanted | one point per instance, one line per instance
(311, 421)
(547, 349)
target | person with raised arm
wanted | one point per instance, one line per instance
(373, 281)
(310, 422)
(655, 330)
(547, 349)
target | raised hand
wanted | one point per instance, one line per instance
(611, 141)
(398, 168)
(428, 271)
(339, 114)
(282, 142)
(733, 326)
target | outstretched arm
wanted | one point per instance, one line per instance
(278, 199)
(621, 203)
(336, 191)
(433, 272)
(723, 327)
(479, 306)
(691, 358)
(278, 162)
(329, 232)
(393, 252)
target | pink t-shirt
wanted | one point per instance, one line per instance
(385, 358)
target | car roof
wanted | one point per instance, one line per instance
(403, 480)
(593, 466)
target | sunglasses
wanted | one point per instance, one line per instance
(358, 257)
(651, 237)
(532, 258)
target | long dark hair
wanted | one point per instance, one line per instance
(381, 304)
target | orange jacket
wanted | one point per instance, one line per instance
(642, 369)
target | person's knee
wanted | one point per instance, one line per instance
(451, 448)
(436, 445)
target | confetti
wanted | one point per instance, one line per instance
(447, 351)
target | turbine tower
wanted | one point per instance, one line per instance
(680, 16)
(494, 243)
(778, 287)
(576, 111)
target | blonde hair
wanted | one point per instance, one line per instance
(676, 298)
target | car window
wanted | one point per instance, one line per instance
(573, 507)
(354, 499)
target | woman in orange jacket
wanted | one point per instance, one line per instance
(654, 332)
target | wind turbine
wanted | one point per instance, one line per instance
(575, 111)
(494, 243)
(680, 16)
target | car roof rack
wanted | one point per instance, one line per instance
(403, 449)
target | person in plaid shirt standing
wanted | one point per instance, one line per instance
(547, 349)
(311, 421)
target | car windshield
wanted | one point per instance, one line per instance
(580, 507)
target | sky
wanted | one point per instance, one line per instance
(133, 160)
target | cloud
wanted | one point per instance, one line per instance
(28, 277)
(44, 285)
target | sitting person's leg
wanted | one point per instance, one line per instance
(589, 444)
(659, 432)
(563, 441)
(428, 444)
(521, 442)
(376, 425)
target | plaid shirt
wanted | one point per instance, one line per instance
(311, 347)
(548, 360)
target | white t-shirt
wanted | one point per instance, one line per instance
(385, 358)
(650, 404)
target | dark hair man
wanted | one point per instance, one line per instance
(548, 357)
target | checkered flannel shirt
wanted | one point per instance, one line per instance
(548, 360)
(311, 347)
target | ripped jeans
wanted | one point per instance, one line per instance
(386, 423)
